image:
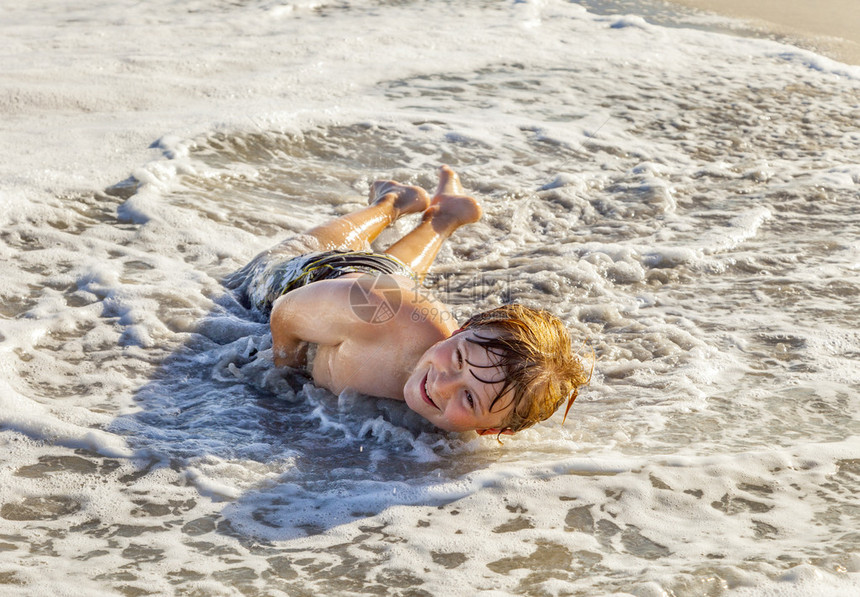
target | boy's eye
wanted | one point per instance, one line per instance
(459, 358)
(469, 399)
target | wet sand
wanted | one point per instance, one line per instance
(831, 27)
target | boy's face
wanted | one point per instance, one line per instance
(444, 390)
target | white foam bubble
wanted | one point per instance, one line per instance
(25, 415)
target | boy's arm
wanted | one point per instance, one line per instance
(318, 313)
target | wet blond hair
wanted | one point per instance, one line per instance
(533, 348)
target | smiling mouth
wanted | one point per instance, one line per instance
(425, 395)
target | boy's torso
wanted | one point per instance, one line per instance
(380, 352)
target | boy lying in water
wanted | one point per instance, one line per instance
(361, 320)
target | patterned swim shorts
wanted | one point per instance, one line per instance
(263, 280)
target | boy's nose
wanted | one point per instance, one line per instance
(445, 384)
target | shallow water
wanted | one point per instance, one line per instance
(684, 200)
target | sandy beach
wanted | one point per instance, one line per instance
(831, 27)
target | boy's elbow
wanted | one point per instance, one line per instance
(288, 351)
(280, 359)
(286, 354)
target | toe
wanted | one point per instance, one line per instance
(449, 182)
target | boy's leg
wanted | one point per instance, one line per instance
(449, 209)
(388, 201)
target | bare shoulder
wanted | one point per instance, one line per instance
(425, 314)
(329, 311)
(390, 309)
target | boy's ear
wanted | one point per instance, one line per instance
(493, 431)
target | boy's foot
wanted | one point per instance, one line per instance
(405, 199)
(450, 207)
(449, 183)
